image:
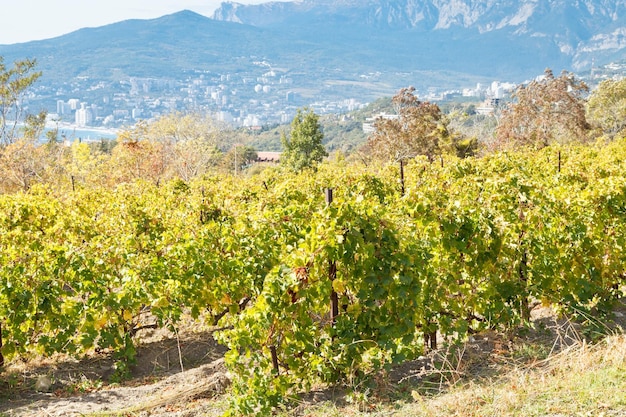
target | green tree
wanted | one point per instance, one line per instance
(606, 108)
(549, 110)
(420, 128)
(238, 158)
(14, 82)
(303, 149)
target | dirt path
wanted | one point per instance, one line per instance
(158, 385)
(205, 381)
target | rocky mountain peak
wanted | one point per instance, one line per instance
(575, 28)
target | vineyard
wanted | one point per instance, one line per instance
(320, 277)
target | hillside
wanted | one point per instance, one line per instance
(362, 49)
(165, 47)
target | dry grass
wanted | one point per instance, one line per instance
(512, 379)
(581, 380)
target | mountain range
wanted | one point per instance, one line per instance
(373, 46)
(526, 34)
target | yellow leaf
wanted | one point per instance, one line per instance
(128, 316)
(100, 323)
(226, 299)
(339, 286)
(160, 302)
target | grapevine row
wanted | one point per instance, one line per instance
(454, 248)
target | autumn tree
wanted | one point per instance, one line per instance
(24, 163)
(191, 143)
(135, 157)
(21, 164)
(173, 146)
(418, 128)
(547, 110)
(84, 165)
(14, 83)
(180, 127)
(303, 147)
(606, 108)
(34, 125)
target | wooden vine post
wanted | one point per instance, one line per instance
(275, 360)
(402, 175)
(522, 270)
(431, 340)
(203, 213)
(1, 357)
(332, 272)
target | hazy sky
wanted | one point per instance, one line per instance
(27, 20)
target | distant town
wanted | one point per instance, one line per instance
(239, 100)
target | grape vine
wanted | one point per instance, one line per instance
(447, 249)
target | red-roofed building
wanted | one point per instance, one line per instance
(273, 157)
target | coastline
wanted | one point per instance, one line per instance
(72, 132)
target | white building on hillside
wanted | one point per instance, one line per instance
(368, 126)
(84, 116)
